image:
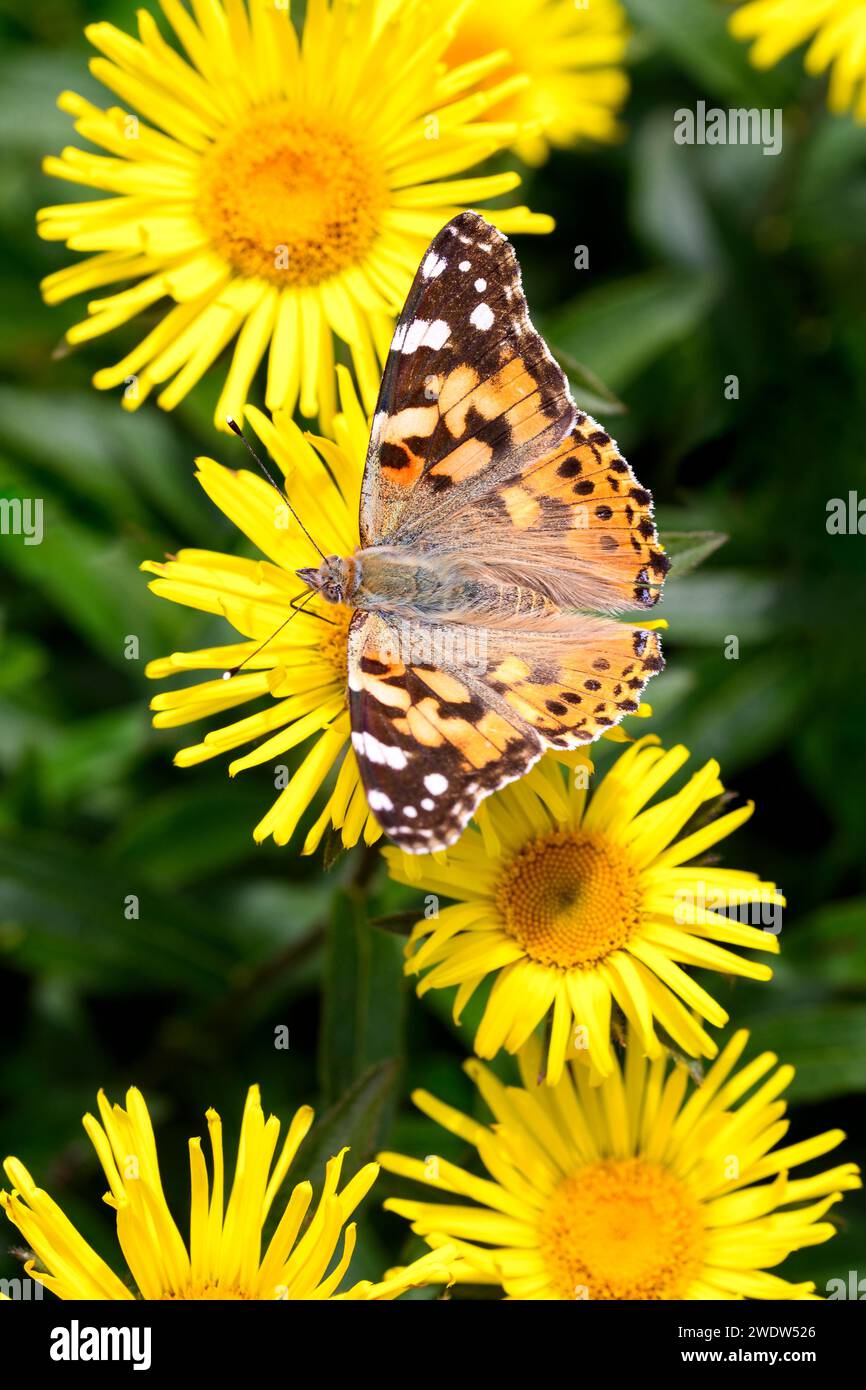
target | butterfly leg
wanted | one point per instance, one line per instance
(305, 597)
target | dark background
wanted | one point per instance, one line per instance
(703, 263)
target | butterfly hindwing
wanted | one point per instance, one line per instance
(429, 742)
(438, 726)
(572, 688)
(577, 516)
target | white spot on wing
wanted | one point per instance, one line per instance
(423, 333)
(380, 801)
(378, 420)
(427, 804)
(465, 265)
(437, 334)
(370, 747)
(410, 812)
(481, 286)
(435, 783)
(481, 317)
(433, 266)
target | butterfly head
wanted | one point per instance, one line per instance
(331, 579)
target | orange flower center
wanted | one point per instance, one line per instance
(483, 31)
(570, 899)
(622, 1229)
(334, 639)
(289, 198)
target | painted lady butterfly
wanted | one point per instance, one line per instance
(499, 527)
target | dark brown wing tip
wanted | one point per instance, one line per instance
(473, 223)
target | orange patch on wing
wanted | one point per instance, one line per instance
(495, 396)
(527, 419)
(407, 476)
(416, 422)
(464, 462)
(523, 508)
(424, 730)
(454, 395)
(396, 696)
(594, 687)
(479, 744)
(612, 530)
(525, 708)
(510, 670)
(446, 686)
(496, 729)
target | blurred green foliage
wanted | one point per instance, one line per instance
(704, 263)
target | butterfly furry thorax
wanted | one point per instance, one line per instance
(452, 587)
(501, 532)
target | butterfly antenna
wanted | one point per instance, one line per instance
(233, 670)
(236, 429)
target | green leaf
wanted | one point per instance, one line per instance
(829, 193)
(625, 326)
(400, 923)
(339, 1023)
(742, 712)
(111, 458)
(63, 913)
(719, 604)
(588, 389)
(688, 549)
(363, 1000)
(668, 207)
(90, 578)
(830, 945)
(191, 830)
(695, 34)
(30, 81)
(825, 1042)
(382, 997)
(355, 1121)
(333, 849)
(81, 758)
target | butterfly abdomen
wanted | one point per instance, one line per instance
(441, 588)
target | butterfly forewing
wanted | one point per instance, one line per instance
(469, 387)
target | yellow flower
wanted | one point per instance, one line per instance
(224, 1258)
(837, 30)
(572, 55)
(274, 189)
(649, 1187)
(573, 903)
(301, 671)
